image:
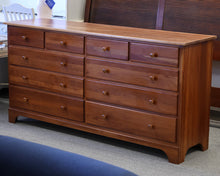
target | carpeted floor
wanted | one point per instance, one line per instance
(141, 160)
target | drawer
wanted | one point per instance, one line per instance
(131, 121)
(138, 74)
(45, 102)
(153, 54)
(25, 37)
(132, 96)
(64, 42)
(107, 48)
(47, 60)
(50, 81)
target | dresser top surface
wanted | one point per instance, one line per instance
(129, 33)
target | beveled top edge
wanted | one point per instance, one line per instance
(122, 32)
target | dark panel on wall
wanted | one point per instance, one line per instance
(196, 16)
(124, 12)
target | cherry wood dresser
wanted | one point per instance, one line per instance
(148, 87)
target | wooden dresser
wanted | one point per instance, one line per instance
(143, 86)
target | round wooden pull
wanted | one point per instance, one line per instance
(150, 126)
(153, 78)
(63, 107)
(62, 43)
(151, 101)
(105, 93)
(24, 37)
(106, 48)
(63, 64)
(24, 77)
(26, 99)
(104, 116)
(153, 55)
(62, 85)
(105, 70)
(24, 57)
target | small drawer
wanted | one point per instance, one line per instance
(153, 54)
(133, 73)
(132, 96)
(25, 37)
(107, 48)
(45, 102)
(64, 42)
(131, 121)
(50, 81)
(46, 60)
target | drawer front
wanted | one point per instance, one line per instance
(107, 48)
(143, 75)
(153, 54)
(131, 121)
(25, 37)
(132, 96)
(50, 81)
(45, 102)
(64, 42)
(46, 60)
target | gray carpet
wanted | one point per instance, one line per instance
(141, 160)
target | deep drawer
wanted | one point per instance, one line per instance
(25, 37)
(45, 102)
(131, 121)
(50, 81)
(143, 75)
(132, 96)
(46, 60)
(107, 48)
(64, 42)
(153, 54)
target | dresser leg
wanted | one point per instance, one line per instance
(12, 116)
(204, 146)
(174, 156)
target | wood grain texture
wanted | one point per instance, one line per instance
(122, 13)
(47, 103)
(107, 48)
(132, 73)
(131, 121)
(46, 60)
(129, 33)
(50, 81)
(215, 97)
(194, 104)
(64, 42)
(132, 96)
(154, 54)
(26, 37)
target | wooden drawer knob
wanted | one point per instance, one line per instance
(63, 107)
(104, 116)
(105, 70)
(153, 78)
(24, 37)
(24, 77)
(150, 126)
(151, 101)
(153, 55)
(105, 93)
(62, 43)
(62, 85)
(26, 99)
(63, 64)
(24, 57)
(106, 48)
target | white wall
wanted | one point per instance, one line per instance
(58, 9)
(75, 10)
